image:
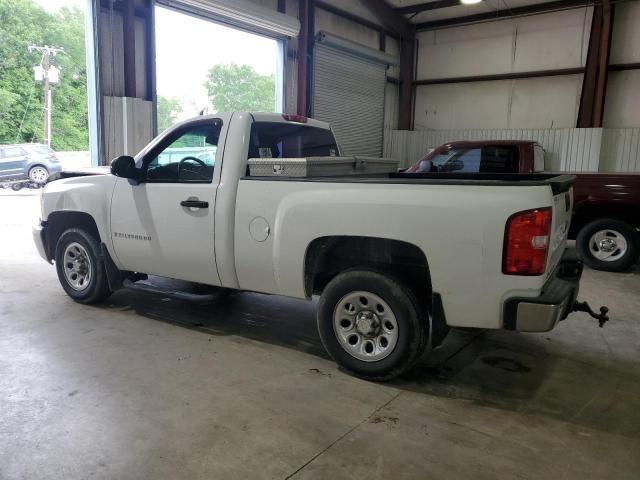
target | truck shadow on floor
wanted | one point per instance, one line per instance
(529, 374)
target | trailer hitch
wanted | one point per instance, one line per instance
(602, 317)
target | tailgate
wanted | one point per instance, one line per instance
(562, 207)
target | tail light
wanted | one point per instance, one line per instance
(526, 242)
(289, 117)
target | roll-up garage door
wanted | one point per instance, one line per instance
(348, 92)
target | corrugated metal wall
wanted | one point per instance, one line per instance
(620, 150)
(568, 149)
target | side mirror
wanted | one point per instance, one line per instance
(125, 167)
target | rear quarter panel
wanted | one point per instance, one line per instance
(460, 229)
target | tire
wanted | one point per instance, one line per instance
(608, 244)
(78, 244)
(16, 187)
(395, 306)
(38, 174)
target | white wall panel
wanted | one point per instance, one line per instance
(622, 104)
(625, 44)
(546, 102)
(481, 49)
(620, 150)
(538, 42)
(463, 105)
(552, 41)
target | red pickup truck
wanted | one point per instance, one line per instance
(606, 206)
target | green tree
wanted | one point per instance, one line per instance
(239, 87)
(22, 23)
(169, 108)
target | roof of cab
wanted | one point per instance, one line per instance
(264, 117)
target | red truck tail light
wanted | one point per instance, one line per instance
(526, 242)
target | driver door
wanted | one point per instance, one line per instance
(164, 225)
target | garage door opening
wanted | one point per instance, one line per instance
(206, 67)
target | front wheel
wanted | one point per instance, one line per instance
(80, 267)
(608, 244)
(371, 324)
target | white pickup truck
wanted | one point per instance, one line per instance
(396, 259)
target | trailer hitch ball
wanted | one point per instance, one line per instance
(602, 317)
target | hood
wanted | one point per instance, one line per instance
(81, 172)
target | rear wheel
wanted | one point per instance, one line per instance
(80, 267)
(38, 174)
(371, 324)
(608, 244)
(16, 187)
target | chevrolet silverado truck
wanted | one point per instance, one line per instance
(396, 261)
(606, 206)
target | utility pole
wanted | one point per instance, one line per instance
(48, 74)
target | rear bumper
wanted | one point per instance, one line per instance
(541, 314)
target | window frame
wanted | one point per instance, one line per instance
(170, 137)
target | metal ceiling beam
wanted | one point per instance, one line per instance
(425, 7)
(536, 9)
(391, 19)
(339, 12)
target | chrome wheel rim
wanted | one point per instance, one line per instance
(38, 174)
(77, 266)
(608, 245)
(365, 326)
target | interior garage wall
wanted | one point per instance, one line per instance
(553, 41)
(622, 104)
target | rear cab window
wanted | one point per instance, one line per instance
(290, 140)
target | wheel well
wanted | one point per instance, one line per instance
(328, 256)
(59, 222)
(586, 214)
(38, 165)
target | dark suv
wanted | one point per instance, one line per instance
(28, 161)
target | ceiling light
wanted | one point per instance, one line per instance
(469, 2)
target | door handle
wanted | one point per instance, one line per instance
(194, 204)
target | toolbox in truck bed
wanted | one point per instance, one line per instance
(320, 166)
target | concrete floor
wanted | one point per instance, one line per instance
(146, 388)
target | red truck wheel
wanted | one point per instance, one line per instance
(608, 244)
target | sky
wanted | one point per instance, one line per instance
(186, 47)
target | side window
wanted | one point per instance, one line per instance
(14, 152)
(187, 156)
(499, 159)
(465, 160)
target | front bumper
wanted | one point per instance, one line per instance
(541, 314)
(38, 232)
